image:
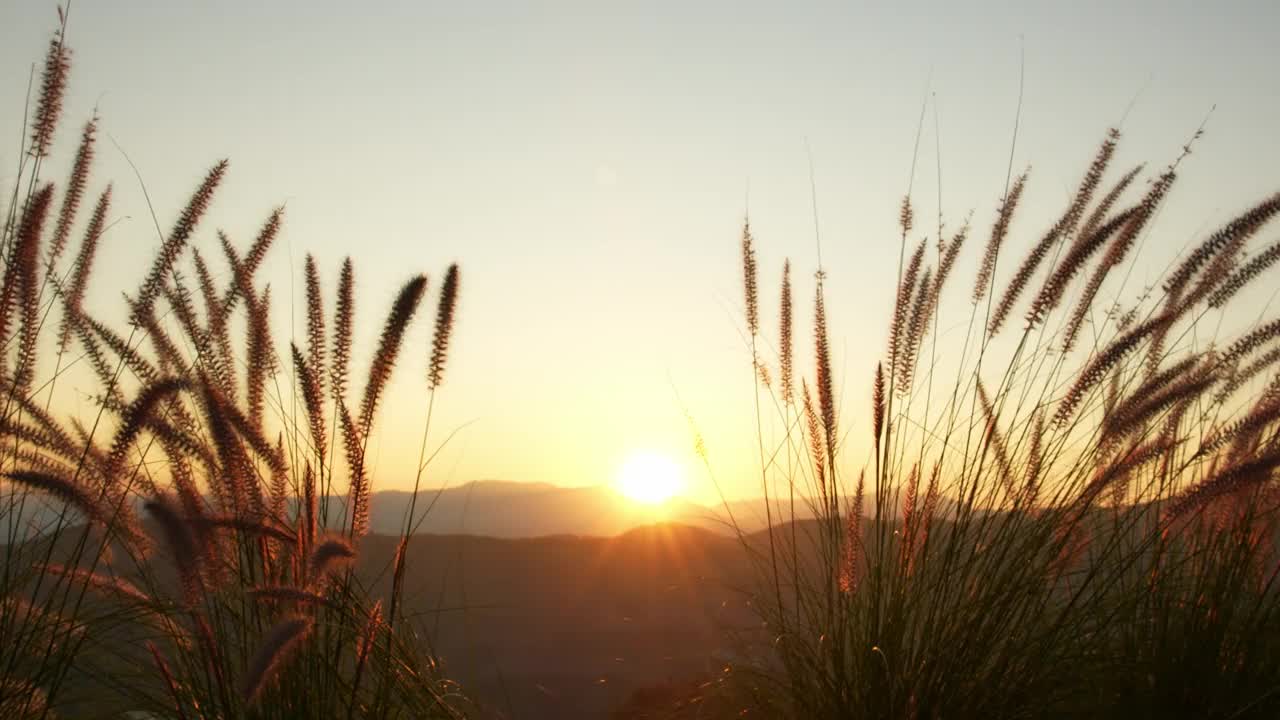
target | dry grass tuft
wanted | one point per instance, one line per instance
(444, 327)
(53, 86)
(280, 641)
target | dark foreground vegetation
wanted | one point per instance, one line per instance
(1085, 473)
(204, 568)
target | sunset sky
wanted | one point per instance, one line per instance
(589, 165)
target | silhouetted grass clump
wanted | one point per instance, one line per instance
(186, 568)
(1075, 515)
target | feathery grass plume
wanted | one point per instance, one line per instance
(1264, 412)
(161, 342)
(816, 445)
(167, 675)
(241, 285)
(276, 647)
(995, 440)
(1109, 201)
(262, 243)
(53, 86)
(920, 536)
(328, 554)
(51, 434)
(178, 295)
(1132, 415)
(1078, 255)
(368, 634)
(444, 327)
(1240, 278)
(1230, 235)
(312, 400)
(1089, 185)
(1218, 271)
(921, 311)
(999, 231)
(826, 391)
(358, 492)
(343, 316)
(217, 355)
(909, 517)
(1240, 376)
(40, 461)
(136, 417)
(1117, 250)
(182, 543)
(105, 584)
(1063, 228)
(877, 406)
(37, 439)
(851, 555)
(62, 489)
(87, 445)
(1246, 345)
(309, 497)
(1096, 370)
(102, 371)
(235, 469)
(906, 216)
(74, 193)
(1118, 469)
(280, 482)
(749, 284)
(1248, 473)
(397, 574)
(181, 437)
(184, 482)
(762, 372)
(1220, 266)
(204, 278)
(315, 326)
(279, 593)
(948, 257)
(901, 308)
(1159, 380)
(173, 245)
(384, 359)
(1035, 462)
(246, 430)
(73, 296)
(19, 291)
(261, 359)
(785, 340)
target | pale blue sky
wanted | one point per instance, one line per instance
(587, 163)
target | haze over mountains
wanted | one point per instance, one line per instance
(502, 509)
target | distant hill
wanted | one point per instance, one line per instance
(504, 509)
(513, 510)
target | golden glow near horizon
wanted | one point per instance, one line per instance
(650, 478)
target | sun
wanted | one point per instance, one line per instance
(650, 478)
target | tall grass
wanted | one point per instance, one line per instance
(1070, 510)
(187, 554)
